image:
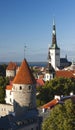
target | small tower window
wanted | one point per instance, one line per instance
(20, 87)
(29, 87)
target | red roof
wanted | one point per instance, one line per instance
(24, 75)
(65, 73)
(51, 104)
(8, 87)
(11, 66)
(40, 82)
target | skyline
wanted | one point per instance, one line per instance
(29, 22)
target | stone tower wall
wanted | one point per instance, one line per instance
(24, 97)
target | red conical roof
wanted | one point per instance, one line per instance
(24, 75)
(11, 66)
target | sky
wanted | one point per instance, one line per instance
(29, 23)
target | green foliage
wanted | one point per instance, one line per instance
(3, 82)
(2, 95)
(62, 117)
(3, 70)
(57, 86)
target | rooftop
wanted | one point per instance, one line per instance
(11, 66)
(24, 75)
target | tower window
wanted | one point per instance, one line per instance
(29, 87)
(20, 87)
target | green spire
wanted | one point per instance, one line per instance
(54, 40)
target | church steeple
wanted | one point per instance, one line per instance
(54, 49)
(49, 56)
(50, 68)
(54, 40)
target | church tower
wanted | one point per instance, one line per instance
(50, 72)
(54, 49)
(24, 90)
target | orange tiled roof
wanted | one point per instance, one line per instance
(24, 75)
(40, 82)
(11, 66)
(65, 73)
(51, 104)
(8, 87)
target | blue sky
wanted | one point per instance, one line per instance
(29, 22)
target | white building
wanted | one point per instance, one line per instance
(11, 70)
(9, 95)
(49, 72)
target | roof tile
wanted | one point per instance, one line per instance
(65, 73)
(8, 87)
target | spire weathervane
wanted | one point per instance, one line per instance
(24, 49)
(53, 21)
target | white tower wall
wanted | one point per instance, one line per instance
(55, 57)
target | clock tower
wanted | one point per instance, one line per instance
(54, 49)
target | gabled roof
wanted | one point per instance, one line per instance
(65, 73)
(40, 82)
(50, 104)
(24, 75)
(9, 87)
(11, 66)
(63, 60)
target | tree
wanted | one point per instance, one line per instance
(44, 95)
(62, 117)
(57, 86)
(2, 95)
(3, 69)
(3, 82)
